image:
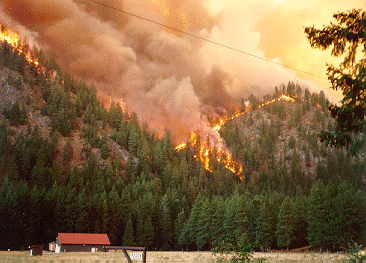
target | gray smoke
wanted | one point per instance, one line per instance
(168, 78)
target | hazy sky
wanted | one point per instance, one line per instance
(171, 79)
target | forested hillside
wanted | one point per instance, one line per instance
(69, 164)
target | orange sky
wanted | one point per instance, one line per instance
(280, 25)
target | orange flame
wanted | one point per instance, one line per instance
(181, 146)
(282, 97)
(123, 105)
(205, 152)
(13, 39)
(223, 154)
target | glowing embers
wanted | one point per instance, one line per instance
(208, 154)
(14, 40)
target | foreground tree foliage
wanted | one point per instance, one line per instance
(347, 36)
(146, 193)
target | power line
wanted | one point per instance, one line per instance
(204, 39)
(307, 18)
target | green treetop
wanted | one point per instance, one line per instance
(347, 36)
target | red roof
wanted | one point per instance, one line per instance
(83, 239)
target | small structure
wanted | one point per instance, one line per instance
(81, 242)
(52, 246)
(132, 255)
(36, 250)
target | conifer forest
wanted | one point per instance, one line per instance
(89, 168)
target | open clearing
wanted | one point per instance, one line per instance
(160, 257)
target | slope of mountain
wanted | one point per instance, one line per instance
(283, 127)
(281, 138)
(100, 170)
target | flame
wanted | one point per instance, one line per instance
(123, 105)
(223, 155)
(206, 152)
(181, 146)
(284, 97)
(13, 39)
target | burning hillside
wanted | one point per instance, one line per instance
(208, 142)
(215, 146)
(170, 79)
(274, 156)
(14, 40)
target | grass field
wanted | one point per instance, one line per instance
(160, 257)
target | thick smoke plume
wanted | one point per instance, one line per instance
(171, 79)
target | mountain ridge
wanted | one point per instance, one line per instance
(99, 170)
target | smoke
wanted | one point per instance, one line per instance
(168, 78)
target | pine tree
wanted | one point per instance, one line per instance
(16, 115)
(236, 217)
(347, 38)
(189, 231)
(265, 226)
(149, 232)
(217, 221)
(347, 216)
(114, 217)
(242, 105)
(129, 234)
(179, 222)
(204, 237)
(133, 143)
(67, 151)
(319, 211)
(4, 140)
(301, 222)
(166, 224)
(285, 224)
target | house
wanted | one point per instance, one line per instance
(81, 242)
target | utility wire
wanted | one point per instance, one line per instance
(307, 18)
(204, 39)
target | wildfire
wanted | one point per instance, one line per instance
(13, 39)
(123, 105)
(181, 146)
(282, 97)
(205, 151)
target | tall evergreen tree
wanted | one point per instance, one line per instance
(301, 222)
(348, 216)
(166, 224)
(286, 223)
(319, 211)
(129, 234)
(346, 36)
(204, 236)
(265, 226)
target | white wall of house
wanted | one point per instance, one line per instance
(58, 246)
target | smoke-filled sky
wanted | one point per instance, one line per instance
(171, 79)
